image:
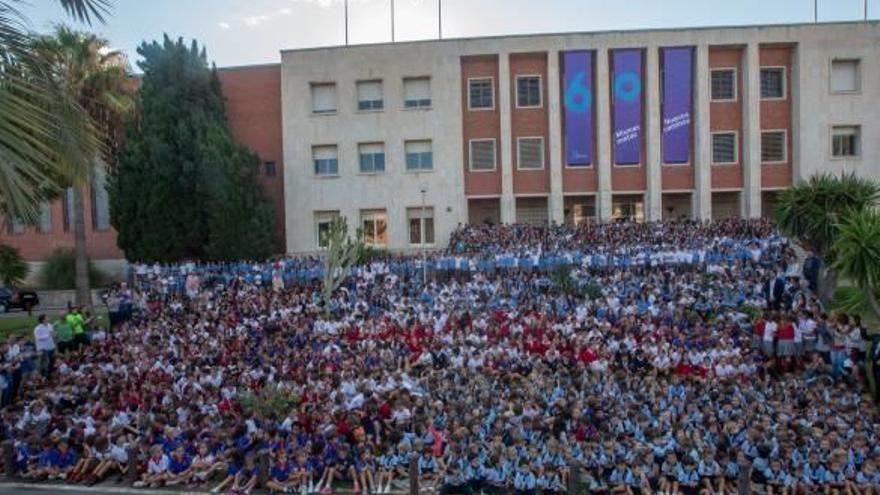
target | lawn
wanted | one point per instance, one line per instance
(22, 324)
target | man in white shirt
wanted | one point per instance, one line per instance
(44, 340)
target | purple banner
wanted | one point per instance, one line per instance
(677, 101)
(627, 90)
(577, 93)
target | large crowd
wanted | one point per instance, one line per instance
(647, 358)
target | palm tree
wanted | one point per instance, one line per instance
(98, 80)
(857, 255)
(812, 214)
(32, 135)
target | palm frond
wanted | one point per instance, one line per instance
(87, 10)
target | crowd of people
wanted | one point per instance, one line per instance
(633, 358)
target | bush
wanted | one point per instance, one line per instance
(59, 271)
(13, 268)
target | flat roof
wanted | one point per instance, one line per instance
(570, 33)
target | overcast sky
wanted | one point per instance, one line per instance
(240, 32)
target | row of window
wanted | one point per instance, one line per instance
(370, 95)
(845, 143)
(845, 78)
(374, 226)
(100, 214)
(419, 157)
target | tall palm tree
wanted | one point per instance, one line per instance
(32, 135)
(98, 80)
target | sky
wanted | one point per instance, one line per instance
(243, 32)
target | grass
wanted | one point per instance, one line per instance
(20, 324)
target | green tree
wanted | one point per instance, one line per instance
(856, 253)
(184, 189)
(96, 79)
(13, 268)
(38, 126)
(811, 213)
(339, 259)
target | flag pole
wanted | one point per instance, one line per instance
(346, 22)
(440, 19)
(815, 11)
(392, 21)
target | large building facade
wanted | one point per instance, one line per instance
(409, 140)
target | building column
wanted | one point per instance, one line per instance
(603, 135)
(654, 186)
(751, 196)
(702, 200)
(508, 204)
(555, 202)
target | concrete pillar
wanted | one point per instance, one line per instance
(654, 186)
(508, 205)
(603, 134)
(702, 198)
(751, 198)
(555, 202)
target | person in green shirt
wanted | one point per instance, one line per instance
(77, 324)
(64, 334)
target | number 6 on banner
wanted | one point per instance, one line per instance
(578, 97)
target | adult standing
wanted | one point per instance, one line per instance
(77, 324)
(44, 341)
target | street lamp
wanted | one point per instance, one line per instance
(424, 238)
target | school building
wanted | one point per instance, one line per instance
(408, 140)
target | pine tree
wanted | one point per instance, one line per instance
(184, 189)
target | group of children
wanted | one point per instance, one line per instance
(636, 378)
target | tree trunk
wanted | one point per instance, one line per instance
(83, 291)
(827, 282)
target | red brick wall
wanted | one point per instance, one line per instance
(727, 116)
(529, 122)
(480, 124)
(253, 112)
(776, 114)
(628, 177)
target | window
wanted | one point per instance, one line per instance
(772, 147)
(724, 85)
(421, 225)
(324, 98)
(846, 141)
(419, 155)
(45, 225)
(530, 153)
(372, 157)
(14, 225)
(322, 227)
(628, 207)
(269, 169)
(100, 201)
(724, 148)
(374, 225)
(370, 95)
(481, 95)
(482, 154)
(417, 92)
(845, 76)
(326, 160)
(528, 91)
(772, 83)
(68, 209)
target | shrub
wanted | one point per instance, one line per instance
(59, 271)
(13, 268)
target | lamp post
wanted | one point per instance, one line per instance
(424, 238)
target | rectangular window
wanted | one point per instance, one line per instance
(419, 155)
(528, 91)
(45, 226)
(421, 225)
(322, 227)
(370, 95)
(482, 154)
(326, 160)
(68, 209)
(417, 92)
(723, 85)
(724, 148)
(481, 94)
(269, 169)
(372, 157)
(100, 201)
(323, 98)
(374, 226)
(772, 83)
(530, 153)
(14, 225)
(772, 147)
(846, 76)
(846, 141)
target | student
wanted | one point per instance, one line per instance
(776, 478)
(157, 469)
(687, 478)
(281, 475)
(179, 467)
(205, 464)
(524, 481)
(115, 460)
(246, 478)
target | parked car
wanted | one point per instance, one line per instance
(17, 299)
